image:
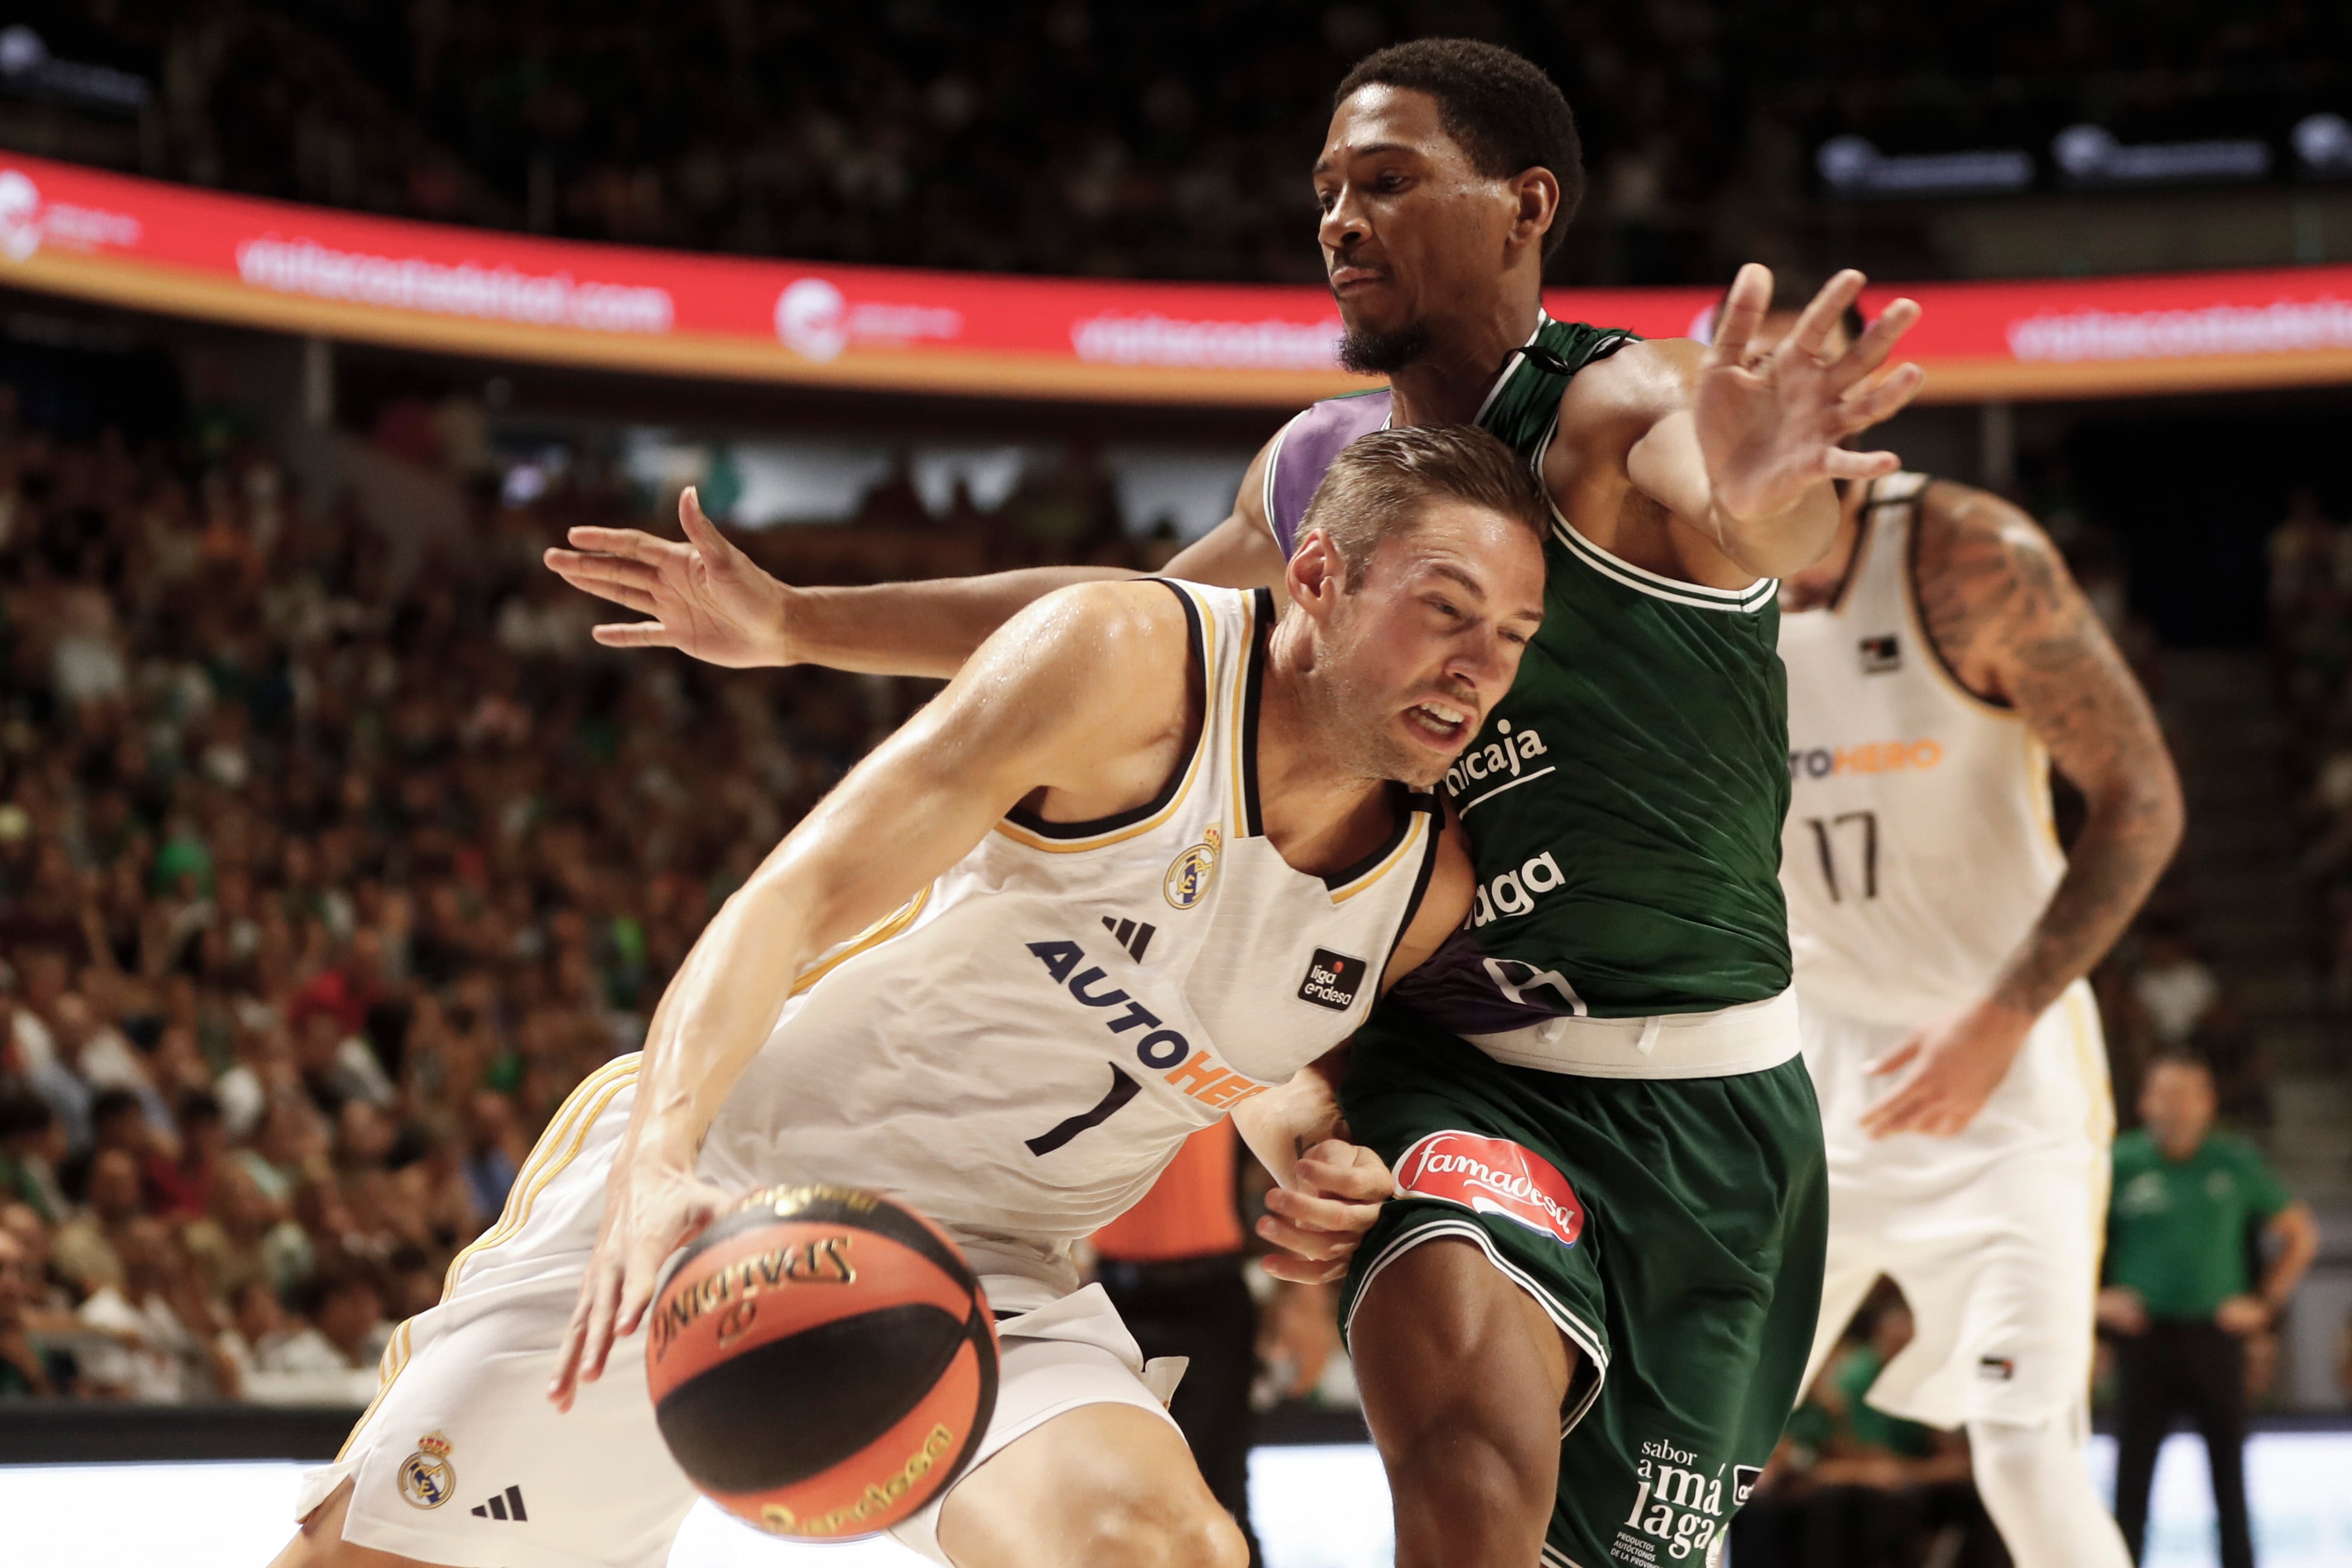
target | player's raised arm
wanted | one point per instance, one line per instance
(1082, 700)
(710, 600)
(2007, 615)
(1746, 446)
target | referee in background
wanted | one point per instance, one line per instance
(2180, 1298)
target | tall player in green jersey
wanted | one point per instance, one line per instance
(1579, 1328)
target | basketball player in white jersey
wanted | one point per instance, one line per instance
(1151, 854)
(1941, 659)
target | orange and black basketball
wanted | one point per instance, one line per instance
(822, 1361)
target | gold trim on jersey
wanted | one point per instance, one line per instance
(2046, 810)
(1917, 615)
(1865, 533)
(540, 1167)
(387, 1371)
(1208, 622)
(1403, 850)
(1236, 728)
(572, 1119)
(892, 924)
(2098, 1089)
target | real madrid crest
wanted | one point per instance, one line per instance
(1190, 874)
(427, 1479)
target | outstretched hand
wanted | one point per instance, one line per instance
(651, 1209)
(1769, 422)
(708, 598)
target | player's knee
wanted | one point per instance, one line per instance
(1460, 1469)
(2005, 1457)
(1145, 1531)
(2025, 1466)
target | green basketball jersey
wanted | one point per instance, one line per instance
(1624, 800)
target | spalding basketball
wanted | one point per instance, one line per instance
(823, 1364)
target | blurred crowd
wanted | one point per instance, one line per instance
(1853, 1487)
(330, 862)
(2311, 651)
(1072, 136)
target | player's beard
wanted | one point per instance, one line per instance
(1367, 351)
(1361, 729)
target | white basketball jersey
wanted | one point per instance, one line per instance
(1022, 1047)
(1919, 849)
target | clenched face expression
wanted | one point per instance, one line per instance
(1429, 640)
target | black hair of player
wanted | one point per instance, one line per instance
(1500, 108)
(1788, 299)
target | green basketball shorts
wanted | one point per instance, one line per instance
(1673, 1229)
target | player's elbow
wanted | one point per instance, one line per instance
(2163, 810)
(2140, 803)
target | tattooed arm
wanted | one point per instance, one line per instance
(2008, 619)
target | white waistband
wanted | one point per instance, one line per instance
(1749, 1038)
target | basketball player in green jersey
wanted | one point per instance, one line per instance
(1580, 1327)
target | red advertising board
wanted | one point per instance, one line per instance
(174, 248)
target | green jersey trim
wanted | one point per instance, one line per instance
(1518, 358)
(1745, 601)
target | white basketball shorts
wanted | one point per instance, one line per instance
(1993, 1236)
(462, 1460)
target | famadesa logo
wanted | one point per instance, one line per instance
(1873, 757)
(1493, 1175)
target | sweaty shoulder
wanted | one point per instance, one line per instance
(1959, 521)
(1120, 639)
(1096, 684)
(1634, 387)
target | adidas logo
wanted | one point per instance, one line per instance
(1128, 934)
(506, 1506)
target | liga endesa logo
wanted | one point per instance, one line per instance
(1493, 1175)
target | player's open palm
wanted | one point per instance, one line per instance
(652, 1208)
(1769, 421)
(706, 597)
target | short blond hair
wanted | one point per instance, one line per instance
(1379, 487)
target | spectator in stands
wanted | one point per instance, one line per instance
(182, 1185)
(31, 1142)
(246, 1238)
(308, 924)
(23, 1372)
(159, 1320)
(2306, 549)
(2180, 1300)
(89, 1246)
(2176, 990)
(491, 1160)
(1853, 1487)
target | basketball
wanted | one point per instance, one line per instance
(822, 1361)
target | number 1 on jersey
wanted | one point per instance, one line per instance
(1825, 831)
(1122, 1090)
